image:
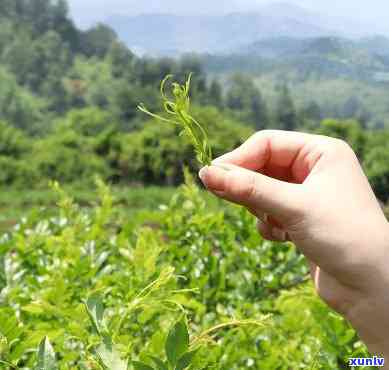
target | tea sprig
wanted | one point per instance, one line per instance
(178, 107)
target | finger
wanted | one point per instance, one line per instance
(277, 152)
(271, 233)
(313, 269)
(265, 230)
(260, 215)
(265, 217)
(253, 190)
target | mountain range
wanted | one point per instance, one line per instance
(329, 57)
(168, 34)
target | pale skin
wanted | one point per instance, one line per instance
(311, 190)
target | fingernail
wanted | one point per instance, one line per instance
(279, 234)
(224, 167)
(203, 173)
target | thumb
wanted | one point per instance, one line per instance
(253, 190)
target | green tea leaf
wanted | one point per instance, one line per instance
(95, 308)
(159, 363)
(177, 342)
(46, 355)
(141, 366)
(11, 366)
(146, 252)
(9, 326)
(110, 356)
(185, 360)
(179, 110)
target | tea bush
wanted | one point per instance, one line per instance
(196, 289)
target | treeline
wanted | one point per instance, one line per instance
(87, 142)
(68, 107)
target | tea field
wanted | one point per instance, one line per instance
(151, 279)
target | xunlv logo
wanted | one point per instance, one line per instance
(374, 361)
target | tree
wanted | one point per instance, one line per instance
(351, 107)
(34, 62)
(147, 72)
(91, 82)
(376, 165)
(286, 115)
(215, 94)
(259, 113)
(13, 142)
(190, 64)
(310, 115)
(89, 122)
(244, 98)
(312, 111)
(125, 101)
(18, 106)
(121, 60)
(348, 130)
(98, 40)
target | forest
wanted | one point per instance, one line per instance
(111, 255)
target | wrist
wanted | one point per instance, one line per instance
(369, 311)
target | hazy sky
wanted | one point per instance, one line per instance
(87, 11)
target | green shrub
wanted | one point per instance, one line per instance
(377, 168)
(106, 292)
(348, 130)
(15, 172)
(13, 142)
(67, 157)
(155, 155)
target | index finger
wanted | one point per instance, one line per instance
(271, 149)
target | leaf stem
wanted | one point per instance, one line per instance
(227, 324)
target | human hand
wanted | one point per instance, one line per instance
(311, 190)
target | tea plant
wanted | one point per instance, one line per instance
(178, 108)
(84, 289)
(50, 264)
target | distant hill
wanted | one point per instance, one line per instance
(168, 34)
(162, 34)
(323, 46)
(326, 56)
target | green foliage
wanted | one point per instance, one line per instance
(245, 100)
(377, 168)
(46, 355)
(74, 96)
(83, 279)
(13, 142)
(154, 155)
(18, 106)
(347, 130)
(177, 343)
(68, 157)
(286, 115)
(98, 40)
(88, 122)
